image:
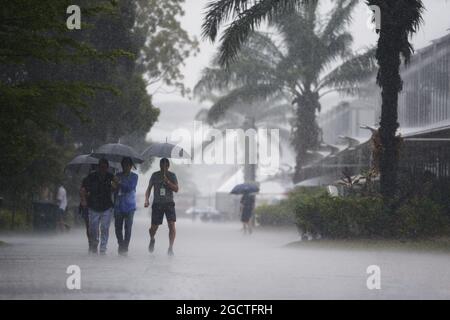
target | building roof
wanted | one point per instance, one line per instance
(442, 41)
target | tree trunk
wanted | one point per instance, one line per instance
(14, 209)
(306, 134)
(250, 168)
(389, 79)
(250, 173)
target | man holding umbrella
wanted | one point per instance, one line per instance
(248, 191)
(85, 164)
(125, 185)
(247, 207)
(165, 183)
(98, 187)
(125, 204)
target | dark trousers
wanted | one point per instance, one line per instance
(84, 213)
(123, 221)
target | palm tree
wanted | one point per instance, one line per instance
(299, 66)
(274, 114)
(399, 19)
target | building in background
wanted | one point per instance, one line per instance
(424, 117)
(425, 99)
(346, 119)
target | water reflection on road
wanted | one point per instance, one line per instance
(214, 261)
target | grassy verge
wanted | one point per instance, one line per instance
(21, 222)
(2, 243)
(429, 245)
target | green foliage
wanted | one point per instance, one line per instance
(339, 218)
(366, 217)
(246, 19)
(275, 215)
(66, 92)
(282, 214)
(34, 33)
(420, 217)
(168, 45)
(21, 222)
(37, 29)
(150, 31)
(357, 217)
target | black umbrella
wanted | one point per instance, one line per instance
(116, 152)
(245, 188)
(84, 163)
(165, 150)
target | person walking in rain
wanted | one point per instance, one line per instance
(165, 183)
(83, 209)
(61, 199)
(247, 207)
(125, 204)
(99, 187)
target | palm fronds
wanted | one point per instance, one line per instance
(339, 19)
(241, 96)
(404, 15)
(350, 75)
(246, 16)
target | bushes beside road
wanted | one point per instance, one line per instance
(338, 218)
(20, 220)
(275, 215)
(319, 215)
(282, 214)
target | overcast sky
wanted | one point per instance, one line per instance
(437, 22)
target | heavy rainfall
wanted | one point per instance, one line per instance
(223, 149)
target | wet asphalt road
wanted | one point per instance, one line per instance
(214, 261)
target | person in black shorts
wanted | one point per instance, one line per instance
(247, 207)
(165, 183)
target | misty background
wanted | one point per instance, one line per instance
(179, 112)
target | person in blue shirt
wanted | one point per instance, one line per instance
(125, 204)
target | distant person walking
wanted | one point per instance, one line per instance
(61, 199)
(165, 183)
(125, 204)
(83, 209)
(99, 187)
(247, 207)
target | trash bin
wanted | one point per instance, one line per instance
(45, 216)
